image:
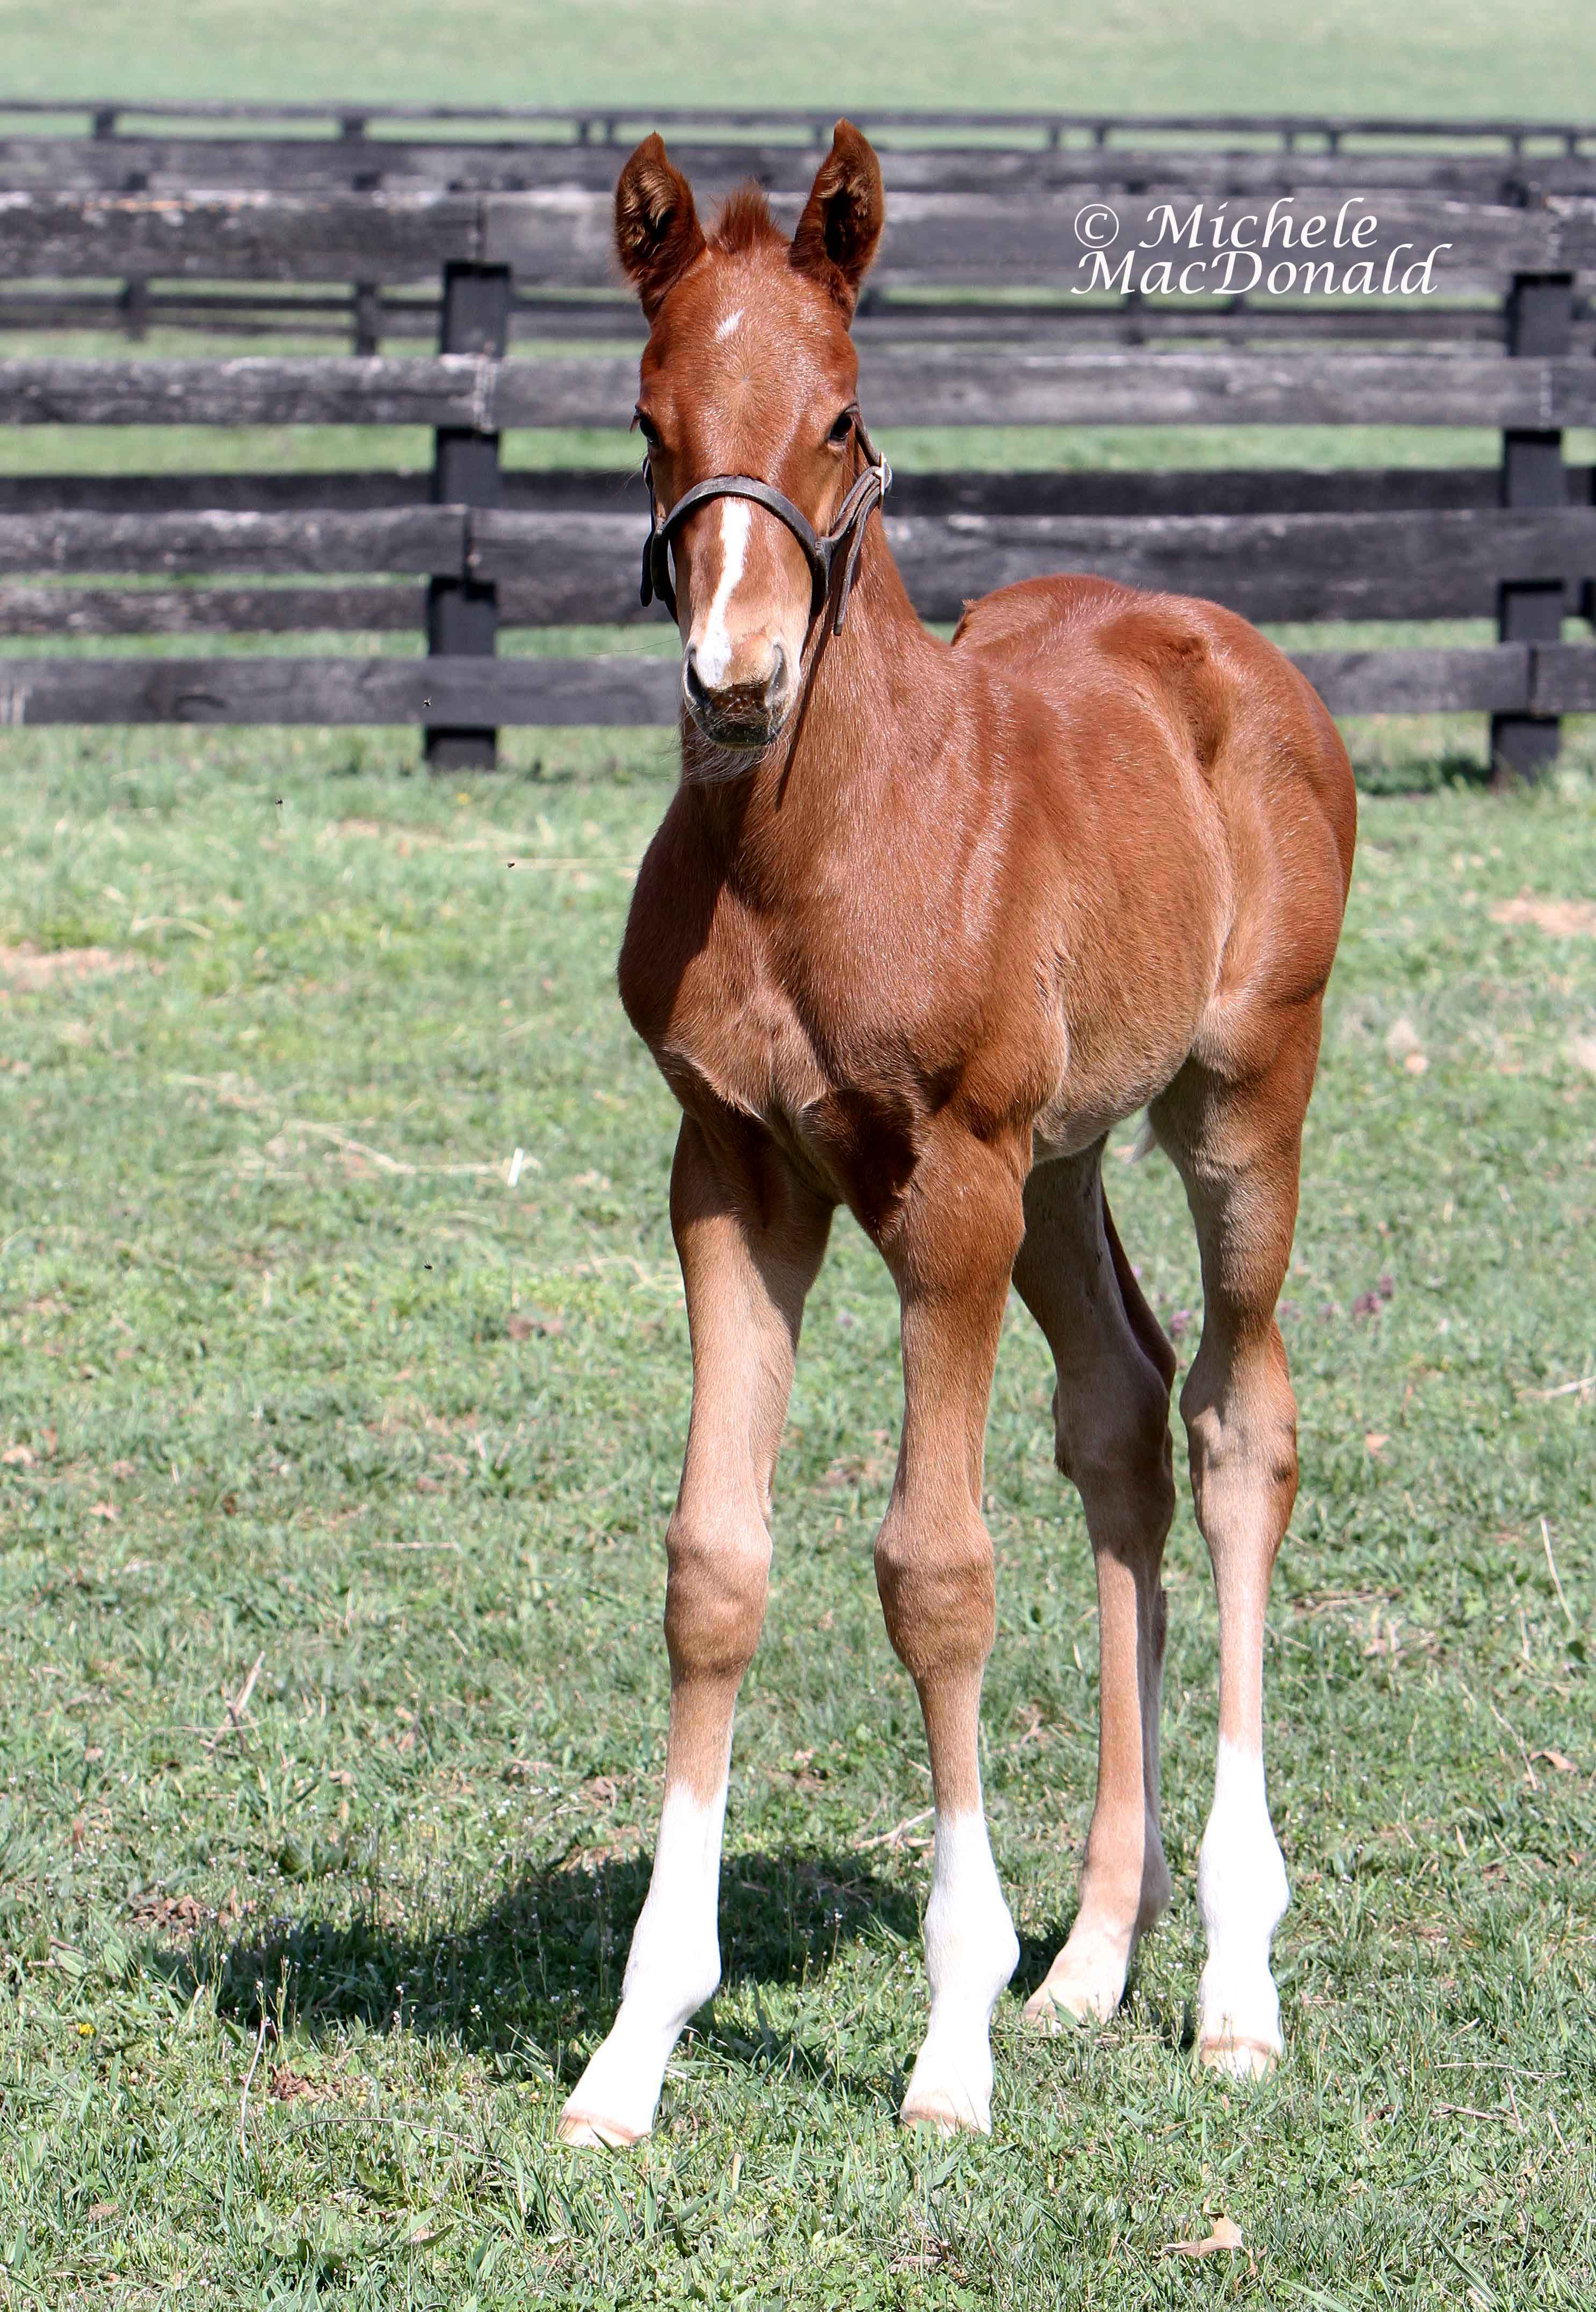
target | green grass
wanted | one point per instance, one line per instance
(1459, 57)
(282, 1383)
(292, 1387)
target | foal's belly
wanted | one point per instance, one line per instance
(1119, 1057)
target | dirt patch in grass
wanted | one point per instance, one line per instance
(29, 967)
(1563, 918)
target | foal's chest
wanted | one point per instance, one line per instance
(792, 1029)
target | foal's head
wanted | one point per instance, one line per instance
(749, 369)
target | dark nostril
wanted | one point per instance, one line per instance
(776, 681)
(691, 677)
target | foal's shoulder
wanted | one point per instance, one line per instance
(675, 902)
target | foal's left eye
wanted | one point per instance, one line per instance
(841, 428)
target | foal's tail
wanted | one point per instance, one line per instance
(1151, 1337)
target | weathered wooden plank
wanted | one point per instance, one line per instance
(1235, 490)
(1563, 678)
(421, 538)
(93, 610)
(889, 318)
(927, 386)
(570, 568)
(623, 124)
(936, 385)
(338, 690)
(561, 236)
(242, 235)
(268, 492)
(1412, 564)
(450, 389)
(620, 690)
(327, 318)
(1495, 679)
(175, 163)
(576, 568)
(557, 317)
(1238, 490)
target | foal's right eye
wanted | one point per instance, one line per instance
(842, 426)
(648, 429)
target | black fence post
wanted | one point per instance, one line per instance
(1539, 326)
(135, 304)
(462, 614)
(366, 308)
(367, 302)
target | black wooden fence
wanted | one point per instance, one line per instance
(492, 229)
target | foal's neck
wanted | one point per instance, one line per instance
(874, 701)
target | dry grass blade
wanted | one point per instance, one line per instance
(243, 2101)
(1223, 2240)
(237, 1705)
(891, 1837)
(1545, 1536)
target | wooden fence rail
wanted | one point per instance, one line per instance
(365, 316)
(561, 238)
(1545, 679)
(582, 568)
(929, 386)
(169, 166)
(974, 318)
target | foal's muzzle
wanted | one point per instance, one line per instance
(745, 713)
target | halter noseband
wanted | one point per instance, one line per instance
(819, 551)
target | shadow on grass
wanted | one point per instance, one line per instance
(539, 1970)
(1409, 776)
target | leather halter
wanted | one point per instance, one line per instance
(820, 550)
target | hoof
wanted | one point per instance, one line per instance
(1239, 2059)
(1046, 2009)
(944, 2112)
(1077, 1990)
(585, 2128)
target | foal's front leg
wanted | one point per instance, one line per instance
(952, 1253)
(751, 1239)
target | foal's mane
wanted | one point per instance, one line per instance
(744, 223)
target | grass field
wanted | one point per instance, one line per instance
(334, 1467)
(295, 1386)
(1459, 57)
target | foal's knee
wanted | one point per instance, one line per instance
(937, 1588)
(714, 1595)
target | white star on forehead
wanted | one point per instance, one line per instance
(724, 329)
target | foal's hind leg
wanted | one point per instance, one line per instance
(1238, 1149)
(1111, 1415)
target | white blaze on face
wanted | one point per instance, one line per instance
(1243, 1894)
(713, 651)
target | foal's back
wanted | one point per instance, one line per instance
(1205, 768)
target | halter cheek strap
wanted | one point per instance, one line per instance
(820, 549)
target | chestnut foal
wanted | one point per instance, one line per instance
(921, 925)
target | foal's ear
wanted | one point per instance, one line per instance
(842, 218)
(657, 233)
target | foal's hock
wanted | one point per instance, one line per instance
(922, 922)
